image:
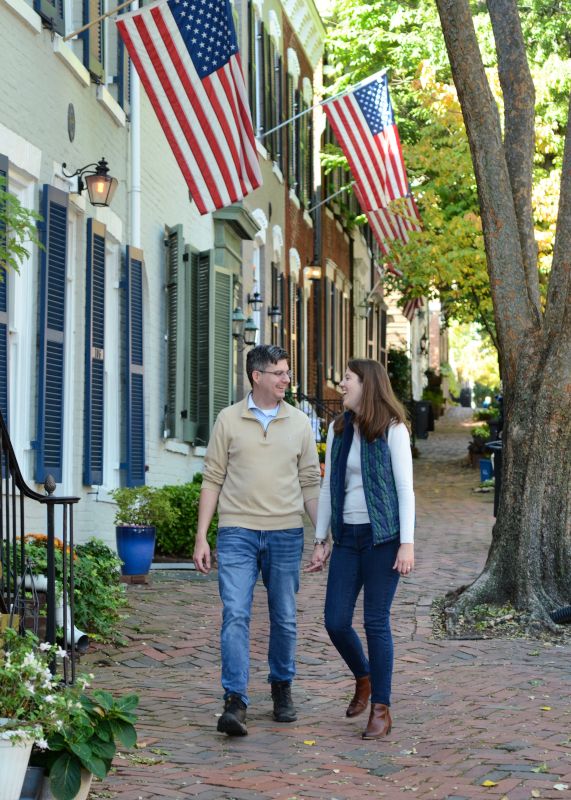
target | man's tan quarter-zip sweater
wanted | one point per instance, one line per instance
(263, 477)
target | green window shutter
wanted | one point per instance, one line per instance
(222, 343)
(209, 383)
(133, 369)
(175, 331)
(52, 13)
(93, 55)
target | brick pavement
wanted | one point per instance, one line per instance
(465, 712)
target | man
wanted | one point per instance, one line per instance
(260, 469)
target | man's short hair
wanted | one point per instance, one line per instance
(262, 356)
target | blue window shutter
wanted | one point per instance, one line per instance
(93, 413)
(123, 75)
(52, 12)
(133, 369)
(51, 334)
(4, 350)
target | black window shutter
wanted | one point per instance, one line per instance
(175, 330)
(51, 334)
(134, 416)
(52, 13)
(279, 139)
(199, 376)
(94, 405)
(252, 63)
(4, 350)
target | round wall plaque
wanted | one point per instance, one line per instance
(71, 122)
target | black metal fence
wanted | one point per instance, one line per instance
(320, 412)
(29, 601)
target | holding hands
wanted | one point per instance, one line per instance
(321, 552)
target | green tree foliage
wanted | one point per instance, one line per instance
(17, 230)
(447, 259)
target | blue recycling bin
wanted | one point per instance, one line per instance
(486, 469)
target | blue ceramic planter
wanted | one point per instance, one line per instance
(136, 548)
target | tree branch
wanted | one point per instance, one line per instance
(519, 129)
(515, 317)
(559, 294)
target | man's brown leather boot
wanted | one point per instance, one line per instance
(360, 699)
(380, 722)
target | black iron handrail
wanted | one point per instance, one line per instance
(14, 587)
(320, 412)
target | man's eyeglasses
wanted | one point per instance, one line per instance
(279, 373)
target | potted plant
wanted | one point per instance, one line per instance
(86, 745)
(477, 447)
(139, 510)
(32, 704)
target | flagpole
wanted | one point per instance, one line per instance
(95, 21)
(323, 103)
(331, 196)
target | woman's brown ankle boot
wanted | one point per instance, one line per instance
(361, 697)
(380, 722)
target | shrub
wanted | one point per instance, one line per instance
(399, 369)
(177, 538)
(99, 593)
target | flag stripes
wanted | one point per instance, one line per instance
(206, 119)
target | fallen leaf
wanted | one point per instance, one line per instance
(489, 783)
(560, 786)
(309, 742)
(541, 768)
(336, 771)
(546, 708)
(535, 793)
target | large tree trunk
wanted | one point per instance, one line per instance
(529, 563)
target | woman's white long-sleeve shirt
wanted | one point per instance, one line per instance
(355, 506)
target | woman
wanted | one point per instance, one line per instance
(368, 501)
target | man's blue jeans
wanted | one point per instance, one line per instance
(356, 564)
(242, 554)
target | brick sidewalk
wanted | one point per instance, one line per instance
(465, 712)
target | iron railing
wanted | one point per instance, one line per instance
(320, 412)
(20, 586)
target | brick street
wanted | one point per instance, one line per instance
(465, 712)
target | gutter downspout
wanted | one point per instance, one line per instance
(135, 137)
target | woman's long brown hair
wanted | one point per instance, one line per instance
(379, 406)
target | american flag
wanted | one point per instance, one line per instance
(411, 306)
(389, 224)
(364, 124)
(186, 54)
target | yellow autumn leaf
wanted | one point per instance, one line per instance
(489, 783)
(535, 793)
(309, 741)
(546, 708)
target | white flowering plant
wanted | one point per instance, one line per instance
(98, 723)
(32, 702)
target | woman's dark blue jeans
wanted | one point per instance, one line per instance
(356, 564)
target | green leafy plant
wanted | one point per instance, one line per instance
(88, 741)
(144, 505)
(486, 414)
(99, 594)
(176, 538)
(321, 448)
(481, 432)
(20, 227)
